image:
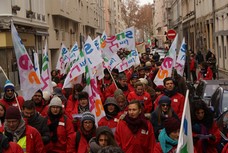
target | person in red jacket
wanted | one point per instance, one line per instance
(17, 131)
(168, 137)
(9, 147)
(10, 97)
(61, 129)
(111, 111)
(205, 72)
(133, 80)
(86, 132)
(177, 99)
(193, 66)
(121, 84)
(141, 95)
(41, 107)
(72, 102)
(206, 134)
(134, 134)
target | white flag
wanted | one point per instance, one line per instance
(185, 142)
(181, 59)
(29, 79)
(167, 65)
(46, 73)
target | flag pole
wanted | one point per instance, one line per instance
(112, 78)
(14, 92)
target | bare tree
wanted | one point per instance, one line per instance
(129, 11)
(144, 20)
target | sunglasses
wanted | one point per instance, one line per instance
(163, 105)
(9, 90)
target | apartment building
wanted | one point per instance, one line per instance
(203, 23)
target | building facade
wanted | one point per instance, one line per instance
(58, 21)
(203, 24)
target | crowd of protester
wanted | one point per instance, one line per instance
(140, 116)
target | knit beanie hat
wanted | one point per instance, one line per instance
(87, 116)
(164, 100)
(8, 85)
(13, 112)
(171, 124)
(55, 101)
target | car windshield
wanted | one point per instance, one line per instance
(225, 100)
(210, 89)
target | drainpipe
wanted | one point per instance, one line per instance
(213, 33)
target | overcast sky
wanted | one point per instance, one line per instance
(142, 2)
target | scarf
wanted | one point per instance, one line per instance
(18, 133)
(53, 126)
(166, 142)
(170, 93)
(9, 99)
(82, 109)
(134, 124)
(88, 134)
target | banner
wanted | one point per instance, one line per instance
(181, 59)
(185, 142)
(46, 71)
(95, 103)
(125, 39)
(167, 65)
(131, 60)
(92, 54)
(77, 69)
(141, 47)
(29, 81)
(63, 60)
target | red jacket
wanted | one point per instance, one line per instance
(71, 107)
(193, 65)
(109, 92)
(141, 142)
(34, 143)
(209, 75)
(145, 98)
(13, 148)
(83, 146)
(225, 149)
(211, 145)
(65, 134)
(13, 103)
(177, 103)
(111, 123)
(43, 109)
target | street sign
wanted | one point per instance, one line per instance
(171, 34)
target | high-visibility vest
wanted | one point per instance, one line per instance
(22, 143)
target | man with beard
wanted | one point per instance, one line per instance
(120, 84)
(177, 99)
(10, 97)
(41, 107)
(35, 120)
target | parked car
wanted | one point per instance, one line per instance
(222, 122)
(206, 88)
(161, 52)
(219, 100)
